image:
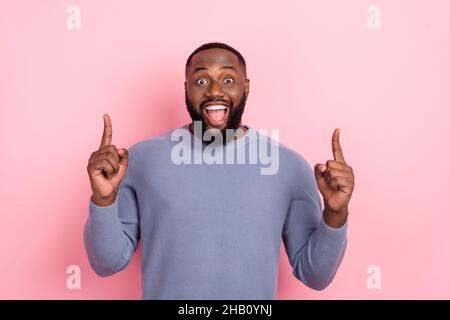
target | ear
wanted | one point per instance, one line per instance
(247, 87)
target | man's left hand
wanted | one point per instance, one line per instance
(336, 181)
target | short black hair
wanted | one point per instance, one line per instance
(220, 45)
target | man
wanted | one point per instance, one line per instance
(213, 231)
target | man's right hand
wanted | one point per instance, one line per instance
(106, 168)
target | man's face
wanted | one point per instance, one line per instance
(216, 89)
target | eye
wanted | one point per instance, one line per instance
(202, 81)
(228, 80)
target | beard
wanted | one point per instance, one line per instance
(233, 121)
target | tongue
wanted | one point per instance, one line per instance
(216, 115)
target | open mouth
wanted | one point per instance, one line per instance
(216, 114)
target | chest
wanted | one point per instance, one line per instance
(190, 197)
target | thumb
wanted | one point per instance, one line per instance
(123, 165)
(319, 169)
(123, 156)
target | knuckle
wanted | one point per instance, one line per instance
(113, 150)
(105, 163)
(112, 159)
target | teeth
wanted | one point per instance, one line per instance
(216, 107)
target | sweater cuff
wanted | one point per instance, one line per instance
(97, 212)
(337, 233)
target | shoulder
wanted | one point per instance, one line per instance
(156, 143)
(289, 157)
(294, 169)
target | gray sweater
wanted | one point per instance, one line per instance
(212, 230)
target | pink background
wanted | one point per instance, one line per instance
(314, 66)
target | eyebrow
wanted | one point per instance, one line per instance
(203, 68)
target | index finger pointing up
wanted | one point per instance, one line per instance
(336, 146)
(107, 131)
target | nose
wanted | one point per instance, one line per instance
(214, 90)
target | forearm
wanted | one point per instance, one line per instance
(107, 246)
(321, 257)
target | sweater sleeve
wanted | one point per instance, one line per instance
(111, 233)
(315, 250)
